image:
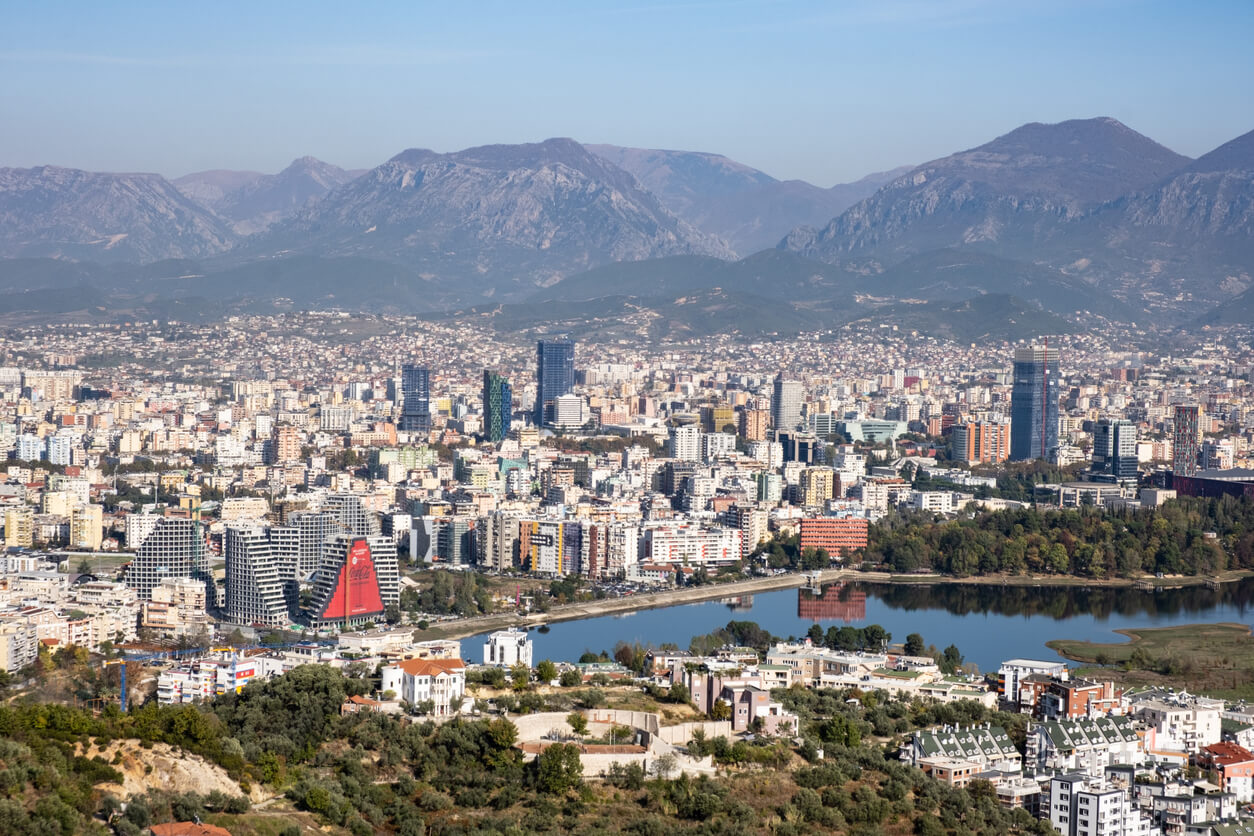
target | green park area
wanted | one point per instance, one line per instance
(1215, 659)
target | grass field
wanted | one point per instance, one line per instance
(1216, 659)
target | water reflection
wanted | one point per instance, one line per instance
(1062, 602)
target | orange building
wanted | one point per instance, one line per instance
(839, 536)
(981, 442)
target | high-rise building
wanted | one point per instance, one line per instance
(555, 374)
(786, 403)
(1034, 403)
(174, 549)
(19, 527)
(753, 424)
(981, 442)
(498, 399)
(1114, 449)
(1185, 440)
(416, 398)
(287, 441)
(685, 443)
(358, 579)
(254, 588)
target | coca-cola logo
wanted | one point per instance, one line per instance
(360, 573)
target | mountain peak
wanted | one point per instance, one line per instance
(1237, 154)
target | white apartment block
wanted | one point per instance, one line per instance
(1181, 722)
(690, 544)
(507, 648)
(1080, 805)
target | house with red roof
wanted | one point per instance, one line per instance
(442, 681)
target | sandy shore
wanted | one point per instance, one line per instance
(462, 628)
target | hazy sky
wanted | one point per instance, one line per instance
(824, 91)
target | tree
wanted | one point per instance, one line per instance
(665, 765)
(914, 645)
(570, 678)
(578, 723)
(558, 769)
(520, 677)
(815, 634)
(951, 659)
(679, 693)
(720, 710)
(546, 671)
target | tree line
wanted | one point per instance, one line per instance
(1187, 536)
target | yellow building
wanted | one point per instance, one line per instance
(87, 527)
(19, 527)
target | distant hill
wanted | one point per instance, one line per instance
(254, 202)
(1007, 194)
(994, 316)
(948, 274)
(747, 208)
(769, 274)
(85, 215)
(491, 219)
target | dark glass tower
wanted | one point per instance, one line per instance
(498, 400)
(555, 373)
(1114, 449)
(416, 395)
(1034, 403)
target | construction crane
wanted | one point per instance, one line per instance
(195, 651)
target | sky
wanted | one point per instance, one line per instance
(822, 91)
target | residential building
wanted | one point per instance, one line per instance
(174, 549)
(786, 403)
(416, 681)
(1234, 766)
(981, 442)
(988, 746)
(839, 536)
(1082, 805)
(507, 648)
(254, 586)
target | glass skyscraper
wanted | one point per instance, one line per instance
(498, 399)
(416, 398)
(555, 373)
(1034, 403)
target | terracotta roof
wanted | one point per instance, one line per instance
(359, 700)
(188, 828)
(430, 667)
(1226, 753)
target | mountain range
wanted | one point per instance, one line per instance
(1082, 218)
(253, 201)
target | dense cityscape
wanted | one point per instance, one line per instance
(214, 507)
(755, 418)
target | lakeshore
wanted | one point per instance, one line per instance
(463, 628)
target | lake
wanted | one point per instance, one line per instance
(989, 623)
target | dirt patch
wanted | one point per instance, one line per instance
(163, 767)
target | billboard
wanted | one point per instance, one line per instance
(356, 587)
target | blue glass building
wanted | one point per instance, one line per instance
(416, 398)
(1034, 404)
(555, 373)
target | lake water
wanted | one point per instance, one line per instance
(988, 623)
